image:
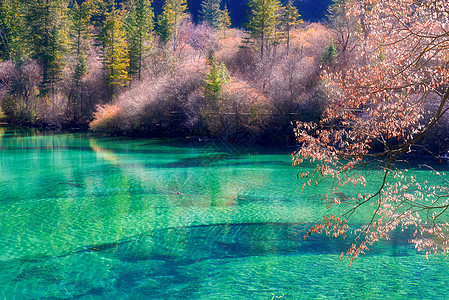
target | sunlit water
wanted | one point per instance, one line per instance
(85, 217)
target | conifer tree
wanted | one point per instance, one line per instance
(79, 34)
(210, 12)
(12, 30)
(99, 12)
(47, 34)
(289, 19)
(217, 77)
(224, 22)
(115, 51)
(139, 27)
(344, 26)
(330, 55)
(173, 12)
(263, 21)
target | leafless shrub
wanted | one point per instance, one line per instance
(7, 69)
(203, 39)
(264, 93)
(228, 46)
(20, 100)
(154, 107)
(240, 112)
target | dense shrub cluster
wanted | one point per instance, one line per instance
(260, 96)
(21, 102)
(118, 69)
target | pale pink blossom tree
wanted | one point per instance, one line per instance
(376, 115)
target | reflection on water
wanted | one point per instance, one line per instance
(104, 218)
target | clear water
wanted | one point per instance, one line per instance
(85, 217)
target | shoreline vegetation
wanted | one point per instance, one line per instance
(364, 91)
(116, 69)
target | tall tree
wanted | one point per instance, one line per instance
(263, 21)
(224, 22)
(344, 26)
(47, 34)
(210, 12)
(375, 117)
(80, 35)
(100, 10)
(139, 27)
(173, 13)
(115, 51)
(12, 30)
(289, 19)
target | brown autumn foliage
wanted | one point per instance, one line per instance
(19, 97)
(21, 103)
(155, 106)
(381, 107)
(262, 97)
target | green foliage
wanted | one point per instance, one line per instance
(224, 21)
(263, 21)
(115, 51)
(16, 110)
(217, 77)
(210, 12)
(173, 12)
(337, 11)
(47, 34)
(100, 10)
(139, 27)
(79, 34)
(164, 30)
(330, 55)
(289, 18)
(12, 30)
(2, 115)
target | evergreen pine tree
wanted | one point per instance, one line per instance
(115, 51)
(79, 34)
(289, 19)
(210, 12)
(336, 10)
(173, 12)
(330, 54)
(263, 21)
(99, 12)
(217, 77)
(47, 34)
(12, 30)
(139, 28)
(224, 22)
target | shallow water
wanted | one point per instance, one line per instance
(111, 218)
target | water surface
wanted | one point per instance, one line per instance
(85, 217)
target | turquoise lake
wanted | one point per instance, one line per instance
(88, 217)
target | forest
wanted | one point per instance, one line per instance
(120, 69)
(125, 68)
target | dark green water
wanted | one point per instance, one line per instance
(106, 218)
